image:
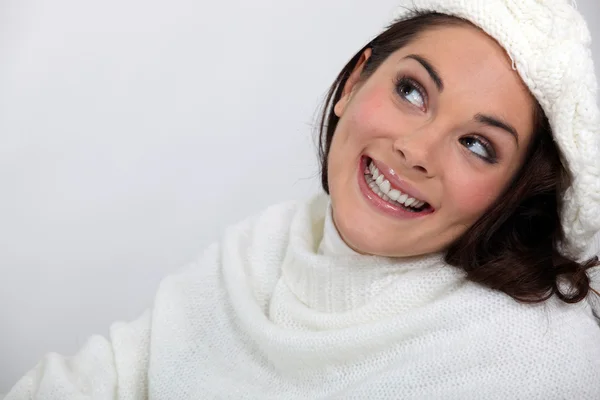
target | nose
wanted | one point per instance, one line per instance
(416, 151)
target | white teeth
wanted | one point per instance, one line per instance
(394, 194)
(383, 188)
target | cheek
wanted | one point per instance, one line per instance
(468, 196)
(367, 114)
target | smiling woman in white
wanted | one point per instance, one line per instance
(459, 156)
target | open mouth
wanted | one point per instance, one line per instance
(393, 197)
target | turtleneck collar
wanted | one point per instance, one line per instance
(326, 275)
(332, 243)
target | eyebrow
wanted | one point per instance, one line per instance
(488, 120)
(498, 123)
(435, 76)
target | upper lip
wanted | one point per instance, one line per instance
(398, 183)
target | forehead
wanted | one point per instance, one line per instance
(476, 71)
(464, 50)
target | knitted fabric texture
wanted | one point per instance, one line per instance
(549, 44)
(332, 243)
(261, 315)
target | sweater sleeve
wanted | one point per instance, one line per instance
(101, 370)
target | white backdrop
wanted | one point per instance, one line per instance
(133, 131)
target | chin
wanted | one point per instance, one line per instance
(365, 236)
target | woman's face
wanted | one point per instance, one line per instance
(427, 143)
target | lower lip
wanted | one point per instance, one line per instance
(381, 205)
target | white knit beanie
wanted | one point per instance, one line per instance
(549, 43)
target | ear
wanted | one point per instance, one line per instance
(351, 83)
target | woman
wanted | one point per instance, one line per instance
(459, 149)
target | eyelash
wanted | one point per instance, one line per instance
(487, 145)
(400, 80)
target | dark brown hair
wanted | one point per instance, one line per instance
(514, 246)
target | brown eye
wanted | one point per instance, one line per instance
(481, 148)
(411, 92)
(406, 88)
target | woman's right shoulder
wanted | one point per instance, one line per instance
(279, 214)
(247, 254)
(268, 228)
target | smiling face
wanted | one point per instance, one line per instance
(427, 142)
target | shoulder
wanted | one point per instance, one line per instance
(553, 339)
(550, 347)
(264, 233)
(271, 228)
(569, 347)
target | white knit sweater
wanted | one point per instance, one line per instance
(263, 315)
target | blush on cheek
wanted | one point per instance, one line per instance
(471, 198)
(369, 112)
